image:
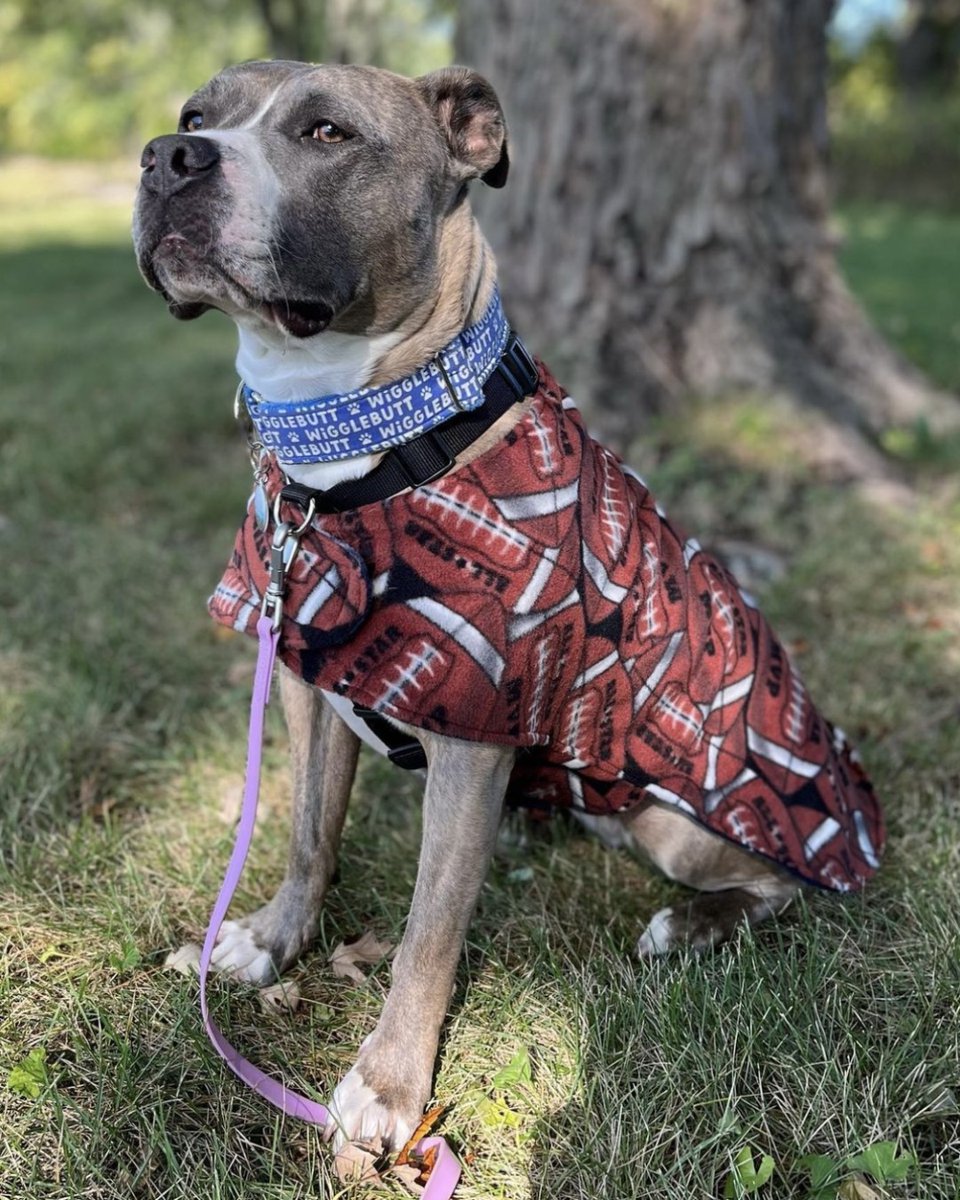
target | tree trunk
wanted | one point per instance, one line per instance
(327, 30)
(665, 225)
(294, 28)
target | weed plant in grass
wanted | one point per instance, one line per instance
(122, 715)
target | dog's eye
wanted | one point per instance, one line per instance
(192, 121)
(326, 131)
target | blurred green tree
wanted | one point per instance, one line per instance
(928, 50)
(895, 110)
(92, 78)
(96, 78)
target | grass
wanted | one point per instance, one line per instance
(121, 735)
(895, 260)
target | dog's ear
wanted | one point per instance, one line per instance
(469, 114)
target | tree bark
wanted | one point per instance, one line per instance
(665, 225)
(327, 30)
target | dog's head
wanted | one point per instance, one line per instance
(304, 197)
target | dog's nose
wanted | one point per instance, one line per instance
(174, 160)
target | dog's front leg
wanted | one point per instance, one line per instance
(385, 1092)
(323, 752)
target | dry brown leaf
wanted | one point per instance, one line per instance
(856, 1189)
(281, 997)
(366, 949)
(356, 1163)
(186, 960)
(407, 1174)
(430, 1119)
(428, 1160)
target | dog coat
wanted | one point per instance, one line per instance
(537, 597)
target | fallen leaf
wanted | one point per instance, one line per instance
(366, 949)
(186, 960)
(856, 1189)
(281, 997)
(429, 1160)
(407, 1175)
(429, 1120)
(356, 1163)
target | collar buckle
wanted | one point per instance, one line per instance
(423, 460)
(518, 368)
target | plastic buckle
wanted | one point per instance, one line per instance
(410, 756)
(518, 367)
(416, 472)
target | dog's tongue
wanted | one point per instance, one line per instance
(301, 319)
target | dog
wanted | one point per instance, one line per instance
(325, 210)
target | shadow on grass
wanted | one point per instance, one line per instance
(122, 485)
(122, 479)
(829, 1030)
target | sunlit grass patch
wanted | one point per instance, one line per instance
(78, 203)
(901, 265)
(122, 718)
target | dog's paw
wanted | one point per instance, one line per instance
(359, 1114)
(239, 954)
(659, 937)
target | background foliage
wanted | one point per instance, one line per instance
(97, 78)
(889, 137)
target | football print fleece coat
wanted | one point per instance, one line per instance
(538, 598)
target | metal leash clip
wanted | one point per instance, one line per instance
(283, 550)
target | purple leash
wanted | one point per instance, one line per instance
(446, 1169)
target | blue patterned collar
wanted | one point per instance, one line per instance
(369, 420)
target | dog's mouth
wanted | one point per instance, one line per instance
(300, 318)
(191, 281)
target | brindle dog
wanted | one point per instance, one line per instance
(324, 210)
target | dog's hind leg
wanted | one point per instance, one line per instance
(735, 886)
(324, 758)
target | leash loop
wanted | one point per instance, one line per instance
(446, 1169)
(445, 1172)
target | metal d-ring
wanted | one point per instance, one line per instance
(311, 513)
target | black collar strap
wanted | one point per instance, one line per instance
(432, 454)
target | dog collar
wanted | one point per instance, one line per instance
(369, 420)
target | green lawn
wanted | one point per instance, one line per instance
(904, 266)
(122, 719)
